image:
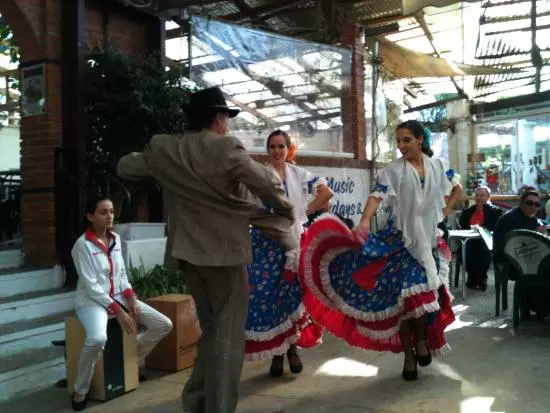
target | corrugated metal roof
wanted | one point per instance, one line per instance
(448, 32)
(376, 9)
(505, 39)
(482, 32)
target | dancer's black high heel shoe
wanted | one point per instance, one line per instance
(409, 375)
(426, 360)
(277, 366)
(294, 362)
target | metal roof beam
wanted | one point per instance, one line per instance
(504, 3)
(536, 57)
(263, 11)
(182, 4)
(489, 84)
(521, 29)
(513, 102)
(422, 21)
(383, 20)
(275, 13)
(506, 54)
(245, 9)
(291, 99)
(409, 91)
(504, 19)
(435, 104)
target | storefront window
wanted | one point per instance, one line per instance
(495, 141)
(517, 152)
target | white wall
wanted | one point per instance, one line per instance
(10, 146)
(323, 140)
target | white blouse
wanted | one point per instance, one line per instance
(300, 186)
(415, 208)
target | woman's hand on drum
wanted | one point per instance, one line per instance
(362, 231)
(133, 308)
(126, 322)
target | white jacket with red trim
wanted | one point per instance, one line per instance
(101, 272)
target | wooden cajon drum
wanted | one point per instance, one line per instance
(178, 350)
(116, 372)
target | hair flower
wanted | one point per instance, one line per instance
(291, 156)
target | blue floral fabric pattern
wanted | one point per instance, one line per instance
(274, 296)
(401, 271)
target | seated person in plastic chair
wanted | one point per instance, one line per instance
(522, 217)
(484, 214)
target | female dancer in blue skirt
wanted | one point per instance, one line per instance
(387, 290)
(277, 320)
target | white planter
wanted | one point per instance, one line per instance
(149, 252)
(134, 231)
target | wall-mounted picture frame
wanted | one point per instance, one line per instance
(33, 90)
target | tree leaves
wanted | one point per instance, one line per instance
(128, 99)
(8, 47)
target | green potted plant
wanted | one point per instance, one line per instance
(155, 282)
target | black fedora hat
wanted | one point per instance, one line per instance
(211, 98)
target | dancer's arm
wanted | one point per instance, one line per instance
(370, 209)
(452, 186)
(324, 195)
(452, 199)
(362, 230)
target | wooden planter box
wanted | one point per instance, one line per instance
(178, 350)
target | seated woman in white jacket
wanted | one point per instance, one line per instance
(103, 289)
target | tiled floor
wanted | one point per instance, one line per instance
(491, 369)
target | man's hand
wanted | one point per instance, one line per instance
(133, 308)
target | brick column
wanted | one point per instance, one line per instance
(353, 95)
(37, 29)
(40, 135)
(36, 25)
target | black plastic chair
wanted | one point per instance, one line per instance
(529, 253)
(501, 285)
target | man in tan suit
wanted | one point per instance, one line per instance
(204, 175)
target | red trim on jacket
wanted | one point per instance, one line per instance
(114, 308)
(92, 237)
(128, 293)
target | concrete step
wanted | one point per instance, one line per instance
(32, 334)
(11, 258)
(29, 306)
(21, 280)
(30, 371)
